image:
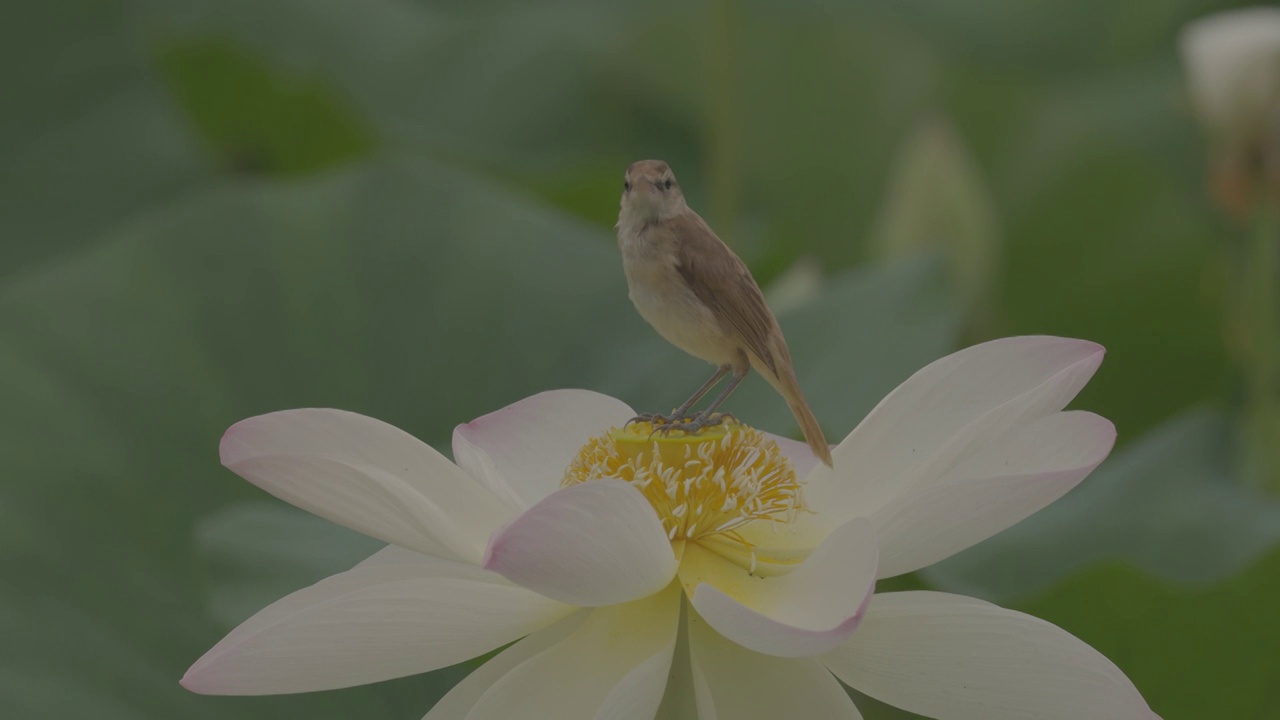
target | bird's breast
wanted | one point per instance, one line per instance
(666, 302)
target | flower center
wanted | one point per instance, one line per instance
(711, 483)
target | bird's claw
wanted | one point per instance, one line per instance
(694, 425)
(655, 419)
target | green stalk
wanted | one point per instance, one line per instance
(1262, 363)
(721, 115)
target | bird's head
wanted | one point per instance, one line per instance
(650, 192)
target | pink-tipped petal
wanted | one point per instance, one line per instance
(991, 490)
(731, 681)
(614, 666)
(521, 451)
(961, 402)
(367, 475)
(808, 611)
(598, 543)
(374, 622)
(955, 657)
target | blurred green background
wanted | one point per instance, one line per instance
(211, 209)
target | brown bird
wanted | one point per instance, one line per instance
(701, 297)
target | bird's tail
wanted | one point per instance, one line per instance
(808, 424)
(784, 381)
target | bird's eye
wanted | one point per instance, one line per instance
(626, 185)
(666, 184)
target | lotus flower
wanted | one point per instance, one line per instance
(723, 575)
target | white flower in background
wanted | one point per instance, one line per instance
(1233, 67)
(727, 576)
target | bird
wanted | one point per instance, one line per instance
(699, 295)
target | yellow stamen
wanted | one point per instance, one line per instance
(701, 485)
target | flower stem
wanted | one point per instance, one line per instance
(1262, 361)
(721, 113)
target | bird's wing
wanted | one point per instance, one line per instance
(723, 283)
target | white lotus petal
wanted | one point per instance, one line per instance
(734, 683)
(808, 611)
(368, 624)
(458, 701)
(991, 490)
(597, 543)
(396, 555)
(521, 451)
(613, 667)
(961, 402)
(367, 475)
(959, 658)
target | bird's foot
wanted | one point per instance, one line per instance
(657, 420)
(696, 424)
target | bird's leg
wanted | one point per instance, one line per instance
(679, 413)
(709, 417)
(697, 395)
